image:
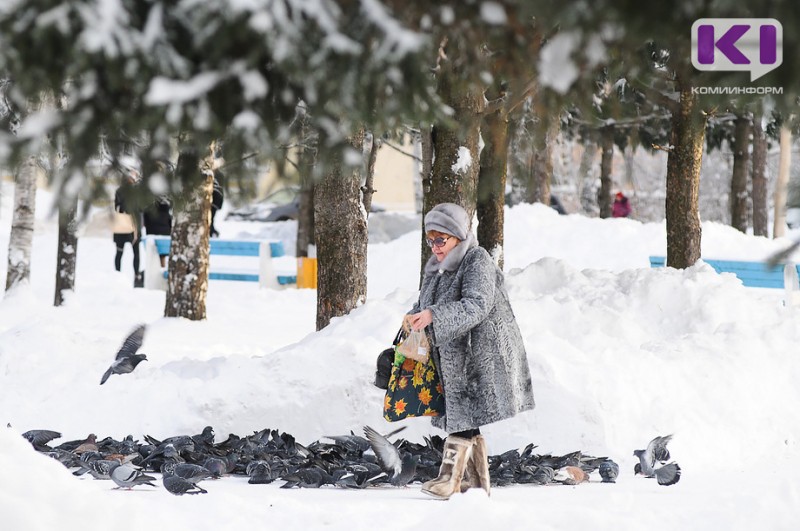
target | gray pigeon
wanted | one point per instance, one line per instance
(40, 438)
(401, 469)
(260, 473)
(127, 477)
(609, 471)
(216, 466)
(188, 471)
(98, 468)
(656, 451)
(127, 359)
(179, 486)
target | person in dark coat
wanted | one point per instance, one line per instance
(158, 220)
(217, 198)
(126, 226)
(476, 347)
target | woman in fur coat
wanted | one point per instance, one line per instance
(476, 346)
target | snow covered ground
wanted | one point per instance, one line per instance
(619, 353)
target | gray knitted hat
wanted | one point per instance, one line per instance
(448, 218)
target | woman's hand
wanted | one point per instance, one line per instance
(420, 320)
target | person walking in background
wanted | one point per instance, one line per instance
(125, 226)
(158, 221)
(621, 207)
(217, 198)
(476, 347)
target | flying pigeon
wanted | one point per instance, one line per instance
(127, 359)
(401, 469)
(656, 451)
(40, 438)
(609, 471)
(127, 477)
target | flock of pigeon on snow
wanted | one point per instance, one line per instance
(348, 461)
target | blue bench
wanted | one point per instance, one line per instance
(752, 274)
(261, 249)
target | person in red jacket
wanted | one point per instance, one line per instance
(621, 208)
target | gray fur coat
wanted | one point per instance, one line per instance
(476, 343)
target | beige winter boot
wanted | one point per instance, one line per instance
(476, 475)
(455, 456)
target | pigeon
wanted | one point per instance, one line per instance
(352, 443)
(216, 466)
(570, 475)
(127, 359)
(401, 469)
(127, 477)
(40, 438)
(178, 486)
(609, 471)
(98, 468)
(307, 478)
(656, 451)
(88, 445)
(260, 473)
(189, 472)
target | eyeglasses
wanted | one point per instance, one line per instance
(437, 242)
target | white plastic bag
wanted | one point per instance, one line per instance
(414, 344)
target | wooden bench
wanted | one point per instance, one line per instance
(752, 274)
(264, 250)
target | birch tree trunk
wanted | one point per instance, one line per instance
(779, 227)
(21, 238)
(683, 181)
(187, 283)
(67, 248)
(760, 209)
(741, 161)
(606, 169)
(341, 232)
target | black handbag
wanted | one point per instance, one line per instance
(384, 363)
(384, 368)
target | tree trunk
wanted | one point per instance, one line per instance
(67, 248)
(425, 165)
(341, 230)
(683, 181)
(779, 227)
(629, 154)
(587, 195)
(187, 283)
(367, 189)
(492, 184)
(305, 209)
(760, 217)
(454, 174)
(741, 161)
(784, 166)
(21, 238)
(455, 146)
(542, 159)
(606, 169)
